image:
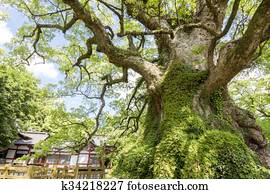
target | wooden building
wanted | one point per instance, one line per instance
(86, 159)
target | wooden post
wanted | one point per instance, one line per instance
(6, 171)
(54, 172)
(102, 162)
(89, 172)
(45, 172)
(30, 172)
(76, 171)
(65, 172)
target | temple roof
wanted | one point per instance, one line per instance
(31, 138)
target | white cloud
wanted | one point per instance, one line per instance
(5, 33)
(43, 70)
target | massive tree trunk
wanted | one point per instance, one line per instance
(187, 135)
(193, 128)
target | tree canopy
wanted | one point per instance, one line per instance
(20, 102)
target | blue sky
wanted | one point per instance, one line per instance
(47, 73)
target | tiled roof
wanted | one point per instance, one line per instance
(31, 138)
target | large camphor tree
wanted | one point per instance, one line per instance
(186, 53)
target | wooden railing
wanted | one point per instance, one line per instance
(40, 172)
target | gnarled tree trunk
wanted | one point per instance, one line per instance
(190, 136)
(193, 128)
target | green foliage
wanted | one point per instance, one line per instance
(3, 15)
(19, 102)
(177, 9)
(219, 154)
(69, 130)
(265, 124)
(133, 159)
(253, 94)
(170, 154)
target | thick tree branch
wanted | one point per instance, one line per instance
(84, 56)
(117, 56)
(109, 83)
(36, 32)
(64, 28)
(237, 55)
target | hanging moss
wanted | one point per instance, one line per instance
(219, 154)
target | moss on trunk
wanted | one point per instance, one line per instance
(180, 143)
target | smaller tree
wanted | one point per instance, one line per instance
(20, 100)
(68, 130)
